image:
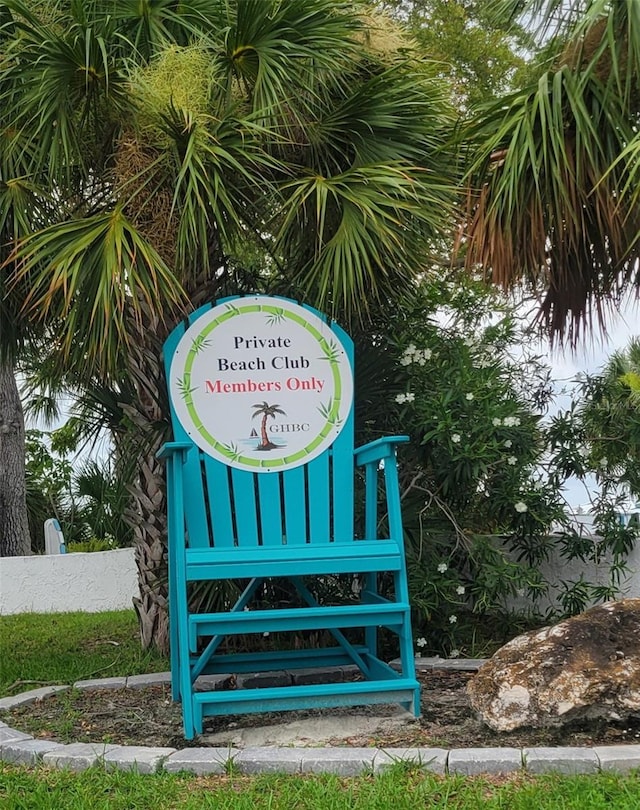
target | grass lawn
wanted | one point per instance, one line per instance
(61, 648)
(401, 788)
(38, 649)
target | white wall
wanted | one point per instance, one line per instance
(102, 580)
(558, 569)
(107, 580)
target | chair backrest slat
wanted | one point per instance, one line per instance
(220, 509)
(318, 499)
(295, 512)
(270, 508)
(244, 505)
(342, 463)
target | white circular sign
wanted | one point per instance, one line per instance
(261, 384)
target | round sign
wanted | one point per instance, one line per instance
(261, 384)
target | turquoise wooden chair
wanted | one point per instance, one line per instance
(226, 523)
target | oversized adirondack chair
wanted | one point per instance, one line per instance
(263, 507)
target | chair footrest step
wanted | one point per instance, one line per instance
(279, 660)
(284, 698)
(316, 618)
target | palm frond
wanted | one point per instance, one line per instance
(70, 85)
(275, 50)
(544, 203)
(366, 227)
(92, 275)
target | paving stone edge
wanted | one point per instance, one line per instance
(18, 747)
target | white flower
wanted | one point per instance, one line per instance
(496, 422)
(401, 398)
(516, 421)
(421, 642)
(455, 438)
(454, 654)
(453, 619)
(460, 590)
(405, 360)
(470, 341)
(427, 354)
(469, 396)
(508, 444)
(604, 461)
(508, 421)
(442, 568)
(521, 506)
(410, 397)
(266, 634)
(511, 461)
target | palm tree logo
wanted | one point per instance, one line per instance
(267, 411)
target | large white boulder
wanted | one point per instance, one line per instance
(585, 667)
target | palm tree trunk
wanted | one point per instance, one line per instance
(148, 512)
(148, 417)
(15, 540)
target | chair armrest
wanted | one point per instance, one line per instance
(169, 449)
(378, 449)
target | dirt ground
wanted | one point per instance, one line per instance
(149, 717)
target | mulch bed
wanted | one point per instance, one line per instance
(149, 717)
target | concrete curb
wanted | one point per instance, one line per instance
(20, 748)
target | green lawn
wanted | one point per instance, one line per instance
(400, 789)
(61, 648)
(37, 649)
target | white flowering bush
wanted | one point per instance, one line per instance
(480, 488)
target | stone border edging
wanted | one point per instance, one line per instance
(19, 748)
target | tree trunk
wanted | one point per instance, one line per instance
(148, 515)
(15, 540)
(148, 424)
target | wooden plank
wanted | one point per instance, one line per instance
(284, 698)
(295, 511)
(343, 484)
(217, 476)
(319, 501)
(298, 566)
(245, 509)
(270, 509)
(342, 462)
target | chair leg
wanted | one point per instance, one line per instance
(173, 625)
(407, 656)
(371, 633)
(173, 651)
(184, 663)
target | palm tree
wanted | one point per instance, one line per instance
(552, 182)
(197, 149)
(267, 411)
